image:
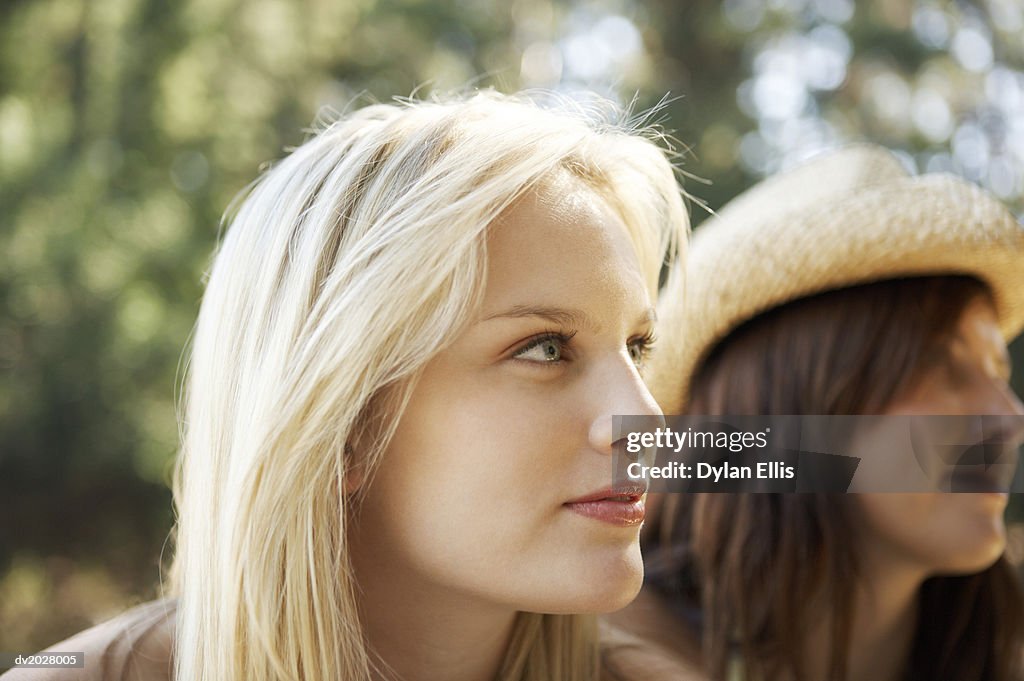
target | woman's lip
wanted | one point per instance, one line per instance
(626, 513)
(976, 482)
(620, 493)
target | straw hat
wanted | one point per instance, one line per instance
(848, 217)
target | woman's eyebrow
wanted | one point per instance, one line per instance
(564, 316)
(568, 317)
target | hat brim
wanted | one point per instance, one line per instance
(909, 226)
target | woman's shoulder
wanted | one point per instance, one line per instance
(134, 646)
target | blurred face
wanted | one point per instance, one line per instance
(949, 533)
(496, 485)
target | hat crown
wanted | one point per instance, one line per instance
(823, 178)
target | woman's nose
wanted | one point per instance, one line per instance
(626, 395)
(1004, 401)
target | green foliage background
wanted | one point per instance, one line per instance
(126, 127)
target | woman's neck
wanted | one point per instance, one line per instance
(420, 632)
(885, 611)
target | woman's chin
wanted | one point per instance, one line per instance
(979, 560)
(601, 586)
(980, 551)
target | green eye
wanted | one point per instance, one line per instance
(640, 348)
(636, 353)
(546, 349)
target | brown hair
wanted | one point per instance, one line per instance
(732, 564)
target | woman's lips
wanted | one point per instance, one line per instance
(975, 479)
(624, 508)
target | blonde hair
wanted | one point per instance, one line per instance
(347, 266)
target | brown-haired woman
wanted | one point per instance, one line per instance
(842, 287)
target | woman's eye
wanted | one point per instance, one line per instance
(545, 350)
(640, 348)
(552, 348)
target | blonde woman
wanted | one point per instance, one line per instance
(397, 426)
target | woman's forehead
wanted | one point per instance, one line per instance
(560, 243)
